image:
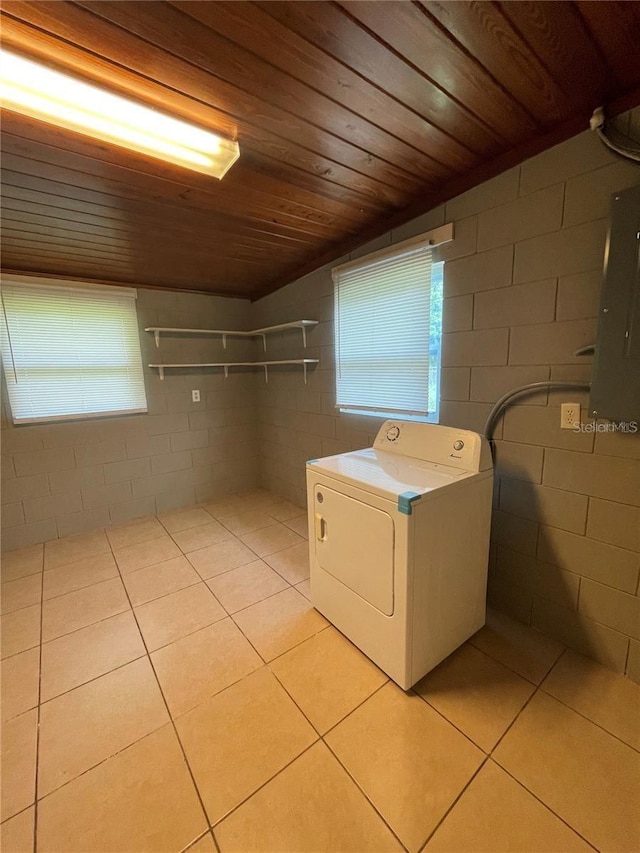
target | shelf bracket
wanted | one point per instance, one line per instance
(266, 374)
(264, 342)
(304, 343)
(161, 372)
(224, 342)
(304, 366)
(156, 337)
(226, 372)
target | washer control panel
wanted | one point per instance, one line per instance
(443, 445)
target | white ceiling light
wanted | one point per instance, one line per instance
(34, 90)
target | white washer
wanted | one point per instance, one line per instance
(399, 543)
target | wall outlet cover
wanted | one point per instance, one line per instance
(569, 415)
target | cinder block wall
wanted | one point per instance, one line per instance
(522, 282)
(70, 477)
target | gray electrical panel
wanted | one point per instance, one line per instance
(615, 387)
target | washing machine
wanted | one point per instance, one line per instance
(399, 543)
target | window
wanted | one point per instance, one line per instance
(70, 351)
(388, 316)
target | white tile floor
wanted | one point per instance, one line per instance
(167, 685)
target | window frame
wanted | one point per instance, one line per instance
(430, 240)
(136, 388)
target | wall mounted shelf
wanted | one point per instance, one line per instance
(305, 362)
(254, 333)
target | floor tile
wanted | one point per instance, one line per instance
(279, 623)
(292, 563)
(497, 815)
(607, 698)
(245, 522)
(20, 593)
(310, 807)
(476, 693)
(176, 615)
(522, 649)
(196, 538)
(68, 613)
(146, 554)
(304, 588)
(20, 682)
(409, 761)
(79, 575)
(246, 585)
(182, 519)
(228, 505)
(135, 532)
(327, 677)
(583, 774)
(283, 510)
(59, 552)
(299, 525)
(221, 557)
(263, 732)
(268, 540)
(161, 579)
(107, 714)
(204, 663)
(203, 845)
(18, 763)
(20, 630)
(16, 834)
(19, 564)
(77, 658)
(141, 799)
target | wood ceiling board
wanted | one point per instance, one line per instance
(483, 30)
(106, 181)
(182, 36)
(104, 44)
(404, 27)
(556, 33)
(615, 27)
(273, 42)
(338, 35)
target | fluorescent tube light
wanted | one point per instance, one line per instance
(34, 90)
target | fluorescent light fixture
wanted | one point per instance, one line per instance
(34, 90)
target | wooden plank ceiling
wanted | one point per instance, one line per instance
(351, 117)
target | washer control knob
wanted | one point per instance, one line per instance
(458, 445)
(393, 433)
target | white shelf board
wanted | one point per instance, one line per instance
(253, 333)
(227, 364)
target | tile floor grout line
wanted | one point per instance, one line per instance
(510, 668)
(589, 720)
(447, 720)
(171, 719)
(512, 723)
(90, 625)
(454, 803)
(365, 795)
(542, 803)
(38, 714)
(263, 785)
(91, 680)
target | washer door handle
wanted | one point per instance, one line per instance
(321, 527)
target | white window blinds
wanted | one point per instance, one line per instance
(71, 352)
(382, 315)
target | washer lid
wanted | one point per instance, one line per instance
(389, 474)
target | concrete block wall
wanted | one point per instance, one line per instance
(70, 477)
(522, 283)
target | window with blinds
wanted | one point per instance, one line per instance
(388, 321)
(70, 351)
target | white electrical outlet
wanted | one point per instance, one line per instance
(569, 415)
(195, 396)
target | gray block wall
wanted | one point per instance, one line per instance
(522, 281)
(70, 477)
